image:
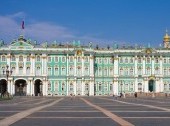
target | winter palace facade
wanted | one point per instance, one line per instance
(28, 68)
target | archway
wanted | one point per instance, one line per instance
(151, 85)
(3, 86)
(20, 87)
(38, 87)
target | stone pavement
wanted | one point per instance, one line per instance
(85, 111)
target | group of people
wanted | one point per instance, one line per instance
(123, 95)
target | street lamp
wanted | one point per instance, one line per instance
(7, 72)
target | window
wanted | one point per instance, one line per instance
(140, 87)
(111, 71)
(38, 71)
(157, 70)
(148, 70)
(164, 60)
(126, 60)
(111, 87)
(100, 60)
(131, 71)
(56, 72)
(131, 60)
(140, 70)
(49, 70)
(21, 70)
(121, 71)
(49, 86)
(165, 71)
(100, 87)
(86, 70)
(38, 58)
(156, 60)
(56, 86)
(13, 58)
(139, 60)
(100, 72)
(86, 59)
(3, 58)
(63, 71)
(71, 59)
(105, 72)
(56, 59)
(49, 59)
(148, 60)
(86, 87)
(105, 86)
(63, 59)
(79, 59)
(28, 70)
(13, 70)
(79, 71)
(71, 70)
(28, 58)
(71, 87)
(63, 87)
(21, 58)
(121, 60)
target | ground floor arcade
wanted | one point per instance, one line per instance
(40, 86)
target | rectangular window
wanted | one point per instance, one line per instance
(49, 59)
(49, 71)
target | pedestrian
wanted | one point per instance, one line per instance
(135, 94)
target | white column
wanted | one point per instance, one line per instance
(24, 68)
(153, 65)
(75, 87)
(136, 69)
(161, 85)
(161, 66)
(146, 86)
(91, 93)
(82, 87)
(67, 88)
(75, 66)
(136, 84)
(33, 64)
(9, 86)
(67, 67)
(157, 86)
(143, 65)
(83, 66)
(28, 88)
(116, 67)
(13, 87)
(115, 87)
(16, 69)
(43, 88)
(91, 65)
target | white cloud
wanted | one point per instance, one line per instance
(10, 28)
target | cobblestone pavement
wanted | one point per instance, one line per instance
(85, 111)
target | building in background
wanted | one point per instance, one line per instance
(61, 70)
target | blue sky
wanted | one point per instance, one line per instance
(102, 22)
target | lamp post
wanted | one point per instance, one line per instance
(7, 72)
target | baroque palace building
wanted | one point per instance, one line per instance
(28, 68)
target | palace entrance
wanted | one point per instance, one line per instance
(20, 87)
(151, 85)
(38, 87)
(3, 86)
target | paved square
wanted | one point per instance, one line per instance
(85, 111)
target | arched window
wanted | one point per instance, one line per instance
(21, 58)
(13, 58)
(71, 87)
(28, 70)
(86, 87)
(20, 70)
(139, 60)
(38, 58)
(3, 58)
(100, 87)
(56, 86)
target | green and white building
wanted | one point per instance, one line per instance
(58, 70)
